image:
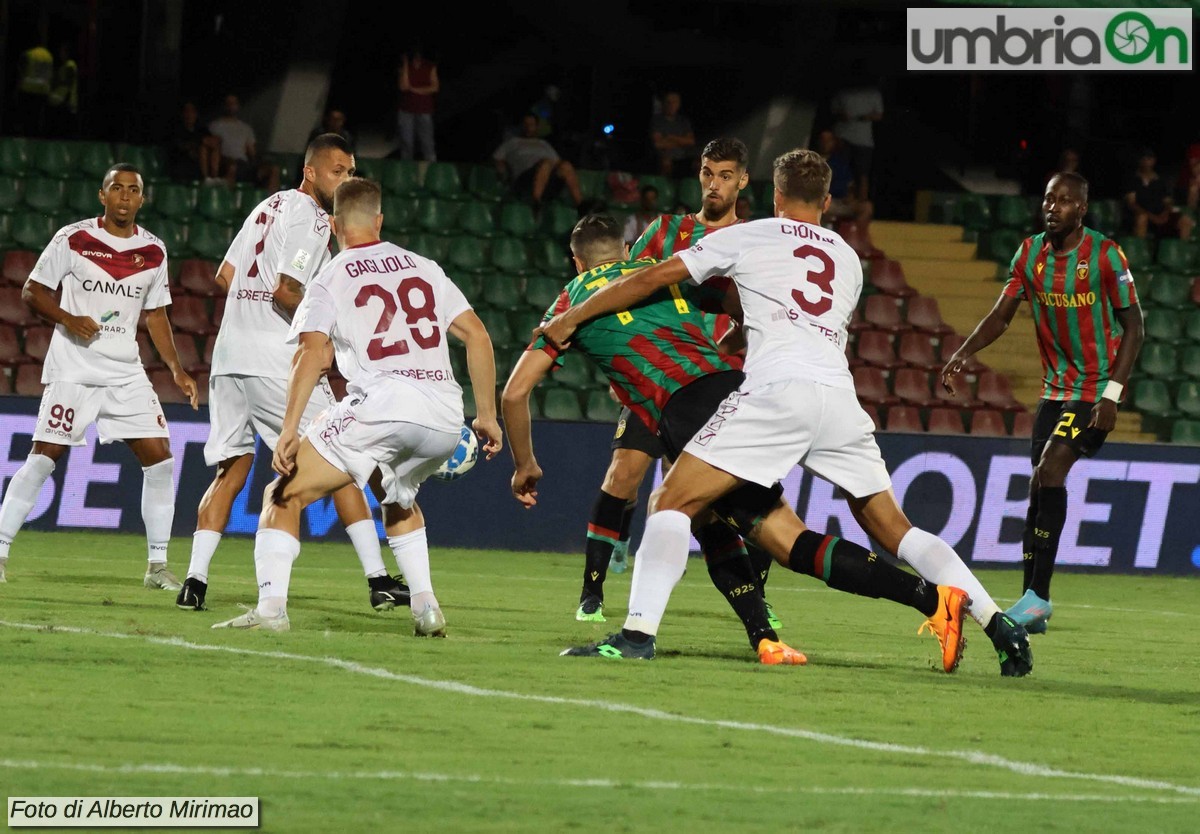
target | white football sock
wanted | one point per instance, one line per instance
(158, 507)
(204, 547)
(412, 557)
(937, 562)
(274, 552)
(659, 565)
(20, 497)
(366, 544)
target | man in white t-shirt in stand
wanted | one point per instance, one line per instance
(403, 409)
(799, 284)
(109, 270)
(282, 244)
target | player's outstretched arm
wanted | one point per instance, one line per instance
(312, 360)
(41, 300)
(159, 326)
(481, 366)
(988, 330)
(621, 294)
(532, 368)
(1104, 412)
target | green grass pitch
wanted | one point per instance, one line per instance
(348, 723)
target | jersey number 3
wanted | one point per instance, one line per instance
(822, 278)
(401, 299)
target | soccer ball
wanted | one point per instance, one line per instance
(463, 458)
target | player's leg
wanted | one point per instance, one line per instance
(541, 178)
(158, 507)
(22, 493)
(424, 130)
(404, 132)
(386, 592)
(565, 171)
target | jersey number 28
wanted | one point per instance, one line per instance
(401, 299)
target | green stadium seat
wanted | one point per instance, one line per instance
(477, 218)
(434, 247)
(945, 207)
(83, 198)
(437, 215)
(93, 159)
(173, 234)
(1171, 290)
(688, 192)
(561, 404)
(12, 193)
(558, 220)
(1137, 252)
(147, 159)
(399, 176)
(497, 324)
(175, 201)
(467, 254)
(399, 213)
(601, 408)
(1152, 397)
(1159, 360)
(976, 212)
(550, 257)
(53, 159)
(209, 239)
(247, 199)
(517, 219)
(575, 373)
(1187, 398)
(33, 231)
(1001, 244)
(665, 186)
(44, 195)
(442, 180)
(509, 257)
(289, 165)
(1013, 212)
(484, 183)
(6, 241)
(1176, 255)
(369, 169)
(1163, 325)
(218, 203)
(1186, 432)
(502, 293)
(1104, 216)
(14, 155)
(471, 285)
(1189, 360)
(1192, 326)
(542, 290)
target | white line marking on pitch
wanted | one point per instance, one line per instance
(651, 785)
(974, 757)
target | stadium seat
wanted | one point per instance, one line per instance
(882, 312)
(1191, 326)
(550, 257)
(1022, 424)
(209, 239)
(165, 387)
(400, 177)
(1104, 216)
(904, 418)
(218, 313)
(1152, 398)
(946, 421)
(1000, 245)
(175, 201)
(912, 386)
(28, 381)
(198, 277)
(501, 293)
(1176, 255)
(437, 215)
(561, 404)
(147, 353)
(916, 349)
(1171, 290)
(6, 224)
(44, 195)
(976, 212)
(189, 356)
(12, 191)
(92, 160)
(987, 422)
(1013, 212)
(10, 349)
(478, 218)
(442, 180)
(32, 231)
(147, 159)
(994, 390)
(434, 247)
(858, 239)
(471, 284)
(1159, 360)
(217, 203)
(173, 234)
(665, 186)
(18, 263)
(1187, 398)
(557, 221)
(190, 315)
(688, 193)
(1164, 325)
(13, 310)
(37, 342)
(53, 159)
(14, 156)
(873, 412)
(952, 342)
(542, 290)
(1137, 252)
(1186, 432)
(874, 347)
(1196, 291)
(871, 386)
(922, 313)
(517, 219)
(509, 257)
(592, 183)
(83, 198)
(1189, 360)
(467, 254)
(484, 183)
(601, 408)
(888, 277)
(575, 373)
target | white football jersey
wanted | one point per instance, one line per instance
(388, 312)
(287, 233)
(111, 279)
(799, 285)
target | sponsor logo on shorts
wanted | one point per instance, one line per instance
(335, 427)
(162, 422)
(726, 410)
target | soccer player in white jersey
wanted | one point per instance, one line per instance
(799, 284)
(109, 270)
(282, 244)
(402, 412)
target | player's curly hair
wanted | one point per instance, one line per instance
(803, 175)
(727, 149)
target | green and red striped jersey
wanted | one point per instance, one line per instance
(1072, 296)
(649, 351)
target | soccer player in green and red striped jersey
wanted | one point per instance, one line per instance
(1089, 330)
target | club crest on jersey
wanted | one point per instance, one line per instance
(138, 260)
(1081, 271)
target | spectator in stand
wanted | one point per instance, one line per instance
(1188, 185)
(192, 152)
(742, 208)
(334, 122)
(673, 140)
(418, 82)
(239, 151)
(531, 164)
(33, 88)
(63, 101)
(647, 210)
(844, 203)
(856, 108)
(1149, 208)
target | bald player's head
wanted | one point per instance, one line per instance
(357, 209)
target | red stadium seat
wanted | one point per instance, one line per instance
(856, 323)
(923, 314)
(952, 342)
(10, 347)
(197, 277)
(904, 418)
(17, 265)
(946, 421)
(987, 422)
(912, 386)
(888, 277)
(28, 381)
(995, 391)
(207, 353)
(1023, 424)
(13, 310)
(871, 386)
(858, 238)
(189, 357)
(202, 386)
(146, 351)
(218, 312)
(873, 411)
(164, 385)
(190, 315)
(37, 342)
(874, 347)
(916, 350)
(882, 312)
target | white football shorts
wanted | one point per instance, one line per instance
(405, 453)
(241, 406)
(758, 435)
(120, 412)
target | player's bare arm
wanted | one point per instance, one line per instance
(481, 366)
(313, 358)
(159, 326)
(1104, 412)
(288, 294)
(531, 369)
(988, 330)
(621, 294)
(41, 300)
(224, 276)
